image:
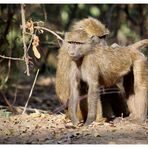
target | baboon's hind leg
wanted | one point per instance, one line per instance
(141, 90)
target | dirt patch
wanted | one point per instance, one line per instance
(41, 126)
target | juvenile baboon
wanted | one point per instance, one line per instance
(93, 28)
(107, 66)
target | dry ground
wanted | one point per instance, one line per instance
(45, 127)
(54, 129)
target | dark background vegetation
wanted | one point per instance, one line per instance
(127, 24)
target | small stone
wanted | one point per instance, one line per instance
(97, 135)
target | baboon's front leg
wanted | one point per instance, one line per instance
(93, 100)
(74, 94)
(99, 116)
(73, 103)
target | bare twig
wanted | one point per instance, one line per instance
(30, 43)
(24, 40)
(20, 108)
(55, 34)
(31, 92)
(15, 95)
(11, 58)
(7, 102)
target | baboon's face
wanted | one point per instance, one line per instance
(76, 50)
(78, 43)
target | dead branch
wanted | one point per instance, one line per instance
(30, 94)
(15, 95)
(19, 109)
(10, 107)
(52, 32)
(26, 59)
(11, 58)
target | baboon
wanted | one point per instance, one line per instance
(96, 30)
(86, 44)
(92, 27)
(103, 65)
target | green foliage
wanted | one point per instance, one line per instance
(15, 40)
(105, 7)
(128, 21)
(94, 11)
(129, 33)
(64, 16)
(81, 6)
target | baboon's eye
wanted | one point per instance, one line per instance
(73, 42)
(102, 37)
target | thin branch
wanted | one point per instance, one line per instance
(27, 33)
(30, 110)
(30, 94)
(7, 102)
(11, 58)
(30, 43)
(24, 40)
(55, 34)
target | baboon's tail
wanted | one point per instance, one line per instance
(139, 44)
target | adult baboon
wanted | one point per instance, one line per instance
(93, 28)
(96, 30)
(103, 65)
